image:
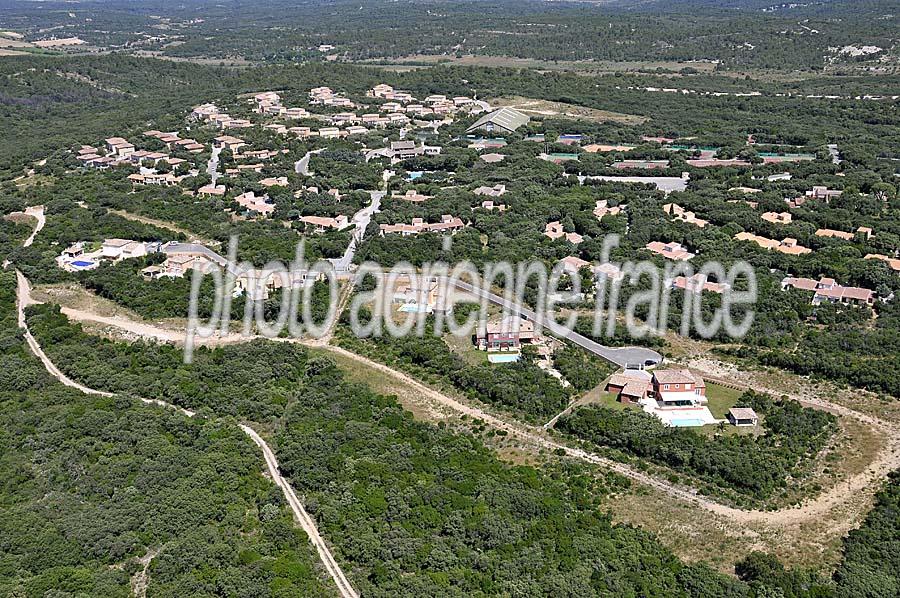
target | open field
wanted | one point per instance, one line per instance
(721, 399)
(465, 349)
(8, 43)
(547, 108)
(581, 66)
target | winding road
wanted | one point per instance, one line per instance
(887, 460)
(301, 166)
(212, 167)
(345, 589)
(810, 512)
(622, 357)
(361, 221)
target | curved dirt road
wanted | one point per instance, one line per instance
(888, 458)
(37, 212)
(23, 294)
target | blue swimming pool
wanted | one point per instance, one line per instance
(686, 423)
(503, 357)
(82, 264)
(413, 308)
(411, 176)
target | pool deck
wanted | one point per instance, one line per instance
(503, 357)
(681, 417)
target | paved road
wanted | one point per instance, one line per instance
(623, 356)
(301, 166)
(361, 220)
(212, 167)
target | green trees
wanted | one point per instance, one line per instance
(753, 467)
(521, 387)
(871, 565)
(89, 484)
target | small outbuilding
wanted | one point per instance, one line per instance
(743, 416)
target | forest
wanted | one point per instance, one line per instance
(723, 35)
(521, 387)
(414, 508)
(92, 484)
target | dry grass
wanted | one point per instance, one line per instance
(74, 296)
(409, 398)
(547, 108)
(6, 42)
(464, 348)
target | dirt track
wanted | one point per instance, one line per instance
(862, 484)
(23, 294)
(845, 502)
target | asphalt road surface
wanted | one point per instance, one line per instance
(621, 356)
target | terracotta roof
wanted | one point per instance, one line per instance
(673, 376)
(742, 413)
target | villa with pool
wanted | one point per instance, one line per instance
(676, 396)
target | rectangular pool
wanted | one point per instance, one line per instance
(412, 308)
(503, 357)
(686, 423)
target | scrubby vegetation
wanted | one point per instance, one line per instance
(90, 484)
(753, 467)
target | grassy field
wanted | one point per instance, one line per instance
(598, 396)
(464, 348)
(721, 399)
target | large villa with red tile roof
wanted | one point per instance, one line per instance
(676, 396)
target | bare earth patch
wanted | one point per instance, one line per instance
(562, 109)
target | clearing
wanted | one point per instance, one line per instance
(562, 109)
(586, 67)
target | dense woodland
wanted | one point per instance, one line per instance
(91, 484)
(409, 520)
(412, 508)
(731, 35)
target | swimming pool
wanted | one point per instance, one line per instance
(503, 357)
(82, 264)
(686, 423)
(413, 308)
